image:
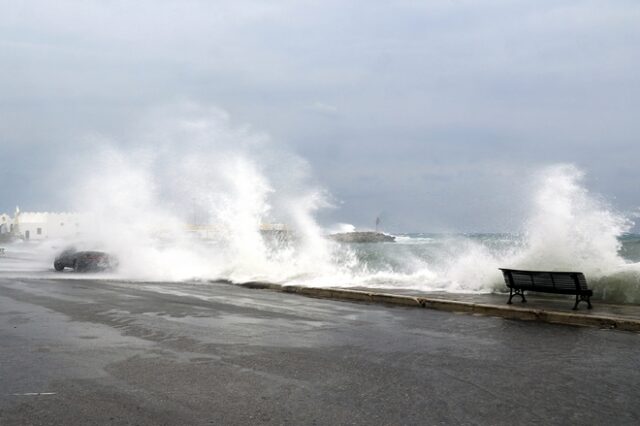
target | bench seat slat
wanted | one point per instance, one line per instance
(564, 282)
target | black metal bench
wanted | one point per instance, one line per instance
(548, 282)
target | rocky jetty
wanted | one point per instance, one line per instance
(362, 237)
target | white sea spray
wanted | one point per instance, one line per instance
(191, 195)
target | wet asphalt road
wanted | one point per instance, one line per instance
(83, 351)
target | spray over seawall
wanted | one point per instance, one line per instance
(568, 228)
(573, 229)
(188, 169)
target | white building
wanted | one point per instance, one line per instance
(43, 225)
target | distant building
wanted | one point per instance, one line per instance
(43, 225)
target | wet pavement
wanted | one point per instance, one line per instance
(89, 351)
(542, 301)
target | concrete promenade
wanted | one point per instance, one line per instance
(539, 306)
(81, 350)
(87, 351)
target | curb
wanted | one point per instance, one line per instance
(527, 314)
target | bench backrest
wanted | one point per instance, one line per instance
(530, 280)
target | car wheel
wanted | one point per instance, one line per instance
(58, 266)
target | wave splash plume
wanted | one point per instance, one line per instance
(192, 173)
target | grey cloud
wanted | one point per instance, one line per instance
(415, 108)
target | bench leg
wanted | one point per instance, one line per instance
(518, 292)
(582, 298)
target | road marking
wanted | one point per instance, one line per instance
(34, 393)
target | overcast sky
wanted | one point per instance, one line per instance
(432, 114)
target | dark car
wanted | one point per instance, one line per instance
(84, 261)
